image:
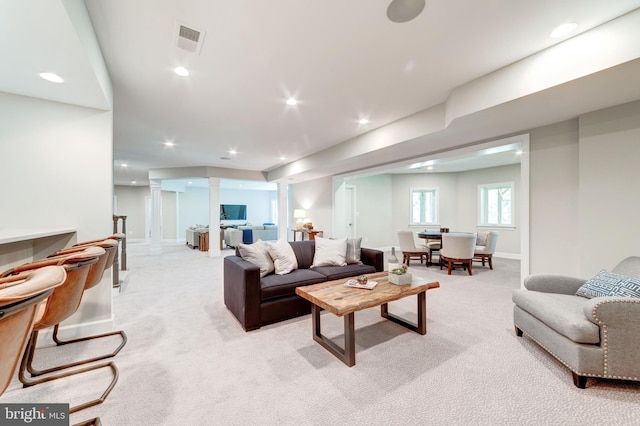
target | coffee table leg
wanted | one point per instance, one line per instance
(346, 355)
(421, 327)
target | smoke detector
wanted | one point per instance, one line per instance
(188, 38)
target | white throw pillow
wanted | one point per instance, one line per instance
(353, 251)
(284, 259)
(257, 254)
(330, 252)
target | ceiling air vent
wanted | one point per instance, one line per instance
(189, 38)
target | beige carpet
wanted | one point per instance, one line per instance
(188, 362)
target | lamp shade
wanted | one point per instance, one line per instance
(299, 213)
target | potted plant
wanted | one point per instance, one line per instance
(400, 276)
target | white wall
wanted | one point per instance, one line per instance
(316, 197)
(56, 171)
(447, 184)
(384, 207)
(258, 203)
(553, 207)
(131, 203)
(193, 208)
(374, 210)
(609, 178)
(508, 238)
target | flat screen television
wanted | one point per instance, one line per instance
(233, 212)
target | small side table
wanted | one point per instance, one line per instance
(310, 235)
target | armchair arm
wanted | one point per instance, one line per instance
(619, 322)
(372, 257)
(550, 283)
(242, 291)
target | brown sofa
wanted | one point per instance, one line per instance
(256, 301)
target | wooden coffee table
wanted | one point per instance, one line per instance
(343, 301)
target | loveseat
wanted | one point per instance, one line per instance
(257, 301)
(571, 318)
(253, 233)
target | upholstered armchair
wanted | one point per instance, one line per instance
(409, 248)
(457, 250)
(594, 337)
(485, 247)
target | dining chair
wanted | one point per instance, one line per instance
(485, 247)
(409, 248)
(457, 250)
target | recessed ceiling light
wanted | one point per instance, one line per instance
(169, 144)
(291, 101)
(363, 121)
(49, 76)
(233, 152)
(181, 71)
(563, 30)
(133, 182)
(124, 165)
(190, 183)
(282, 158)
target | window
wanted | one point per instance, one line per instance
(424, 206)
(496, 204)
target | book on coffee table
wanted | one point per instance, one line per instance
(355, 284)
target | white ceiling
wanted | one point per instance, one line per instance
(342, 60)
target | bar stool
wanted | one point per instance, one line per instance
(96, 272)
(60, 305)
(20, 296)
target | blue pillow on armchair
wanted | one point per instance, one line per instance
(609, 284)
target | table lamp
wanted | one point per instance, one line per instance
(299, 214)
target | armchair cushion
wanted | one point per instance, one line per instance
(609, 284)
(561, 312)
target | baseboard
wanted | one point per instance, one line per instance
(45, 337)
(514, 256)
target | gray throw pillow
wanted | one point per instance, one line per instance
(257, 254)
(353, 251)
(284, 259)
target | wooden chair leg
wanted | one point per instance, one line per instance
(470, 262)
(490, 262)
(579, 381)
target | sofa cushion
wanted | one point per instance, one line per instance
(284, 259)
(609, 284)
(353, 251)
(348, 271)
(285, 285)
(257, 254)
(330, 252)
(561, 312)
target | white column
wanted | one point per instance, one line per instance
(214, 217)
(283, 211)
(156, 217)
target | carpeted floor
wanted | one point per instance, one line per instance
(188, 362)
